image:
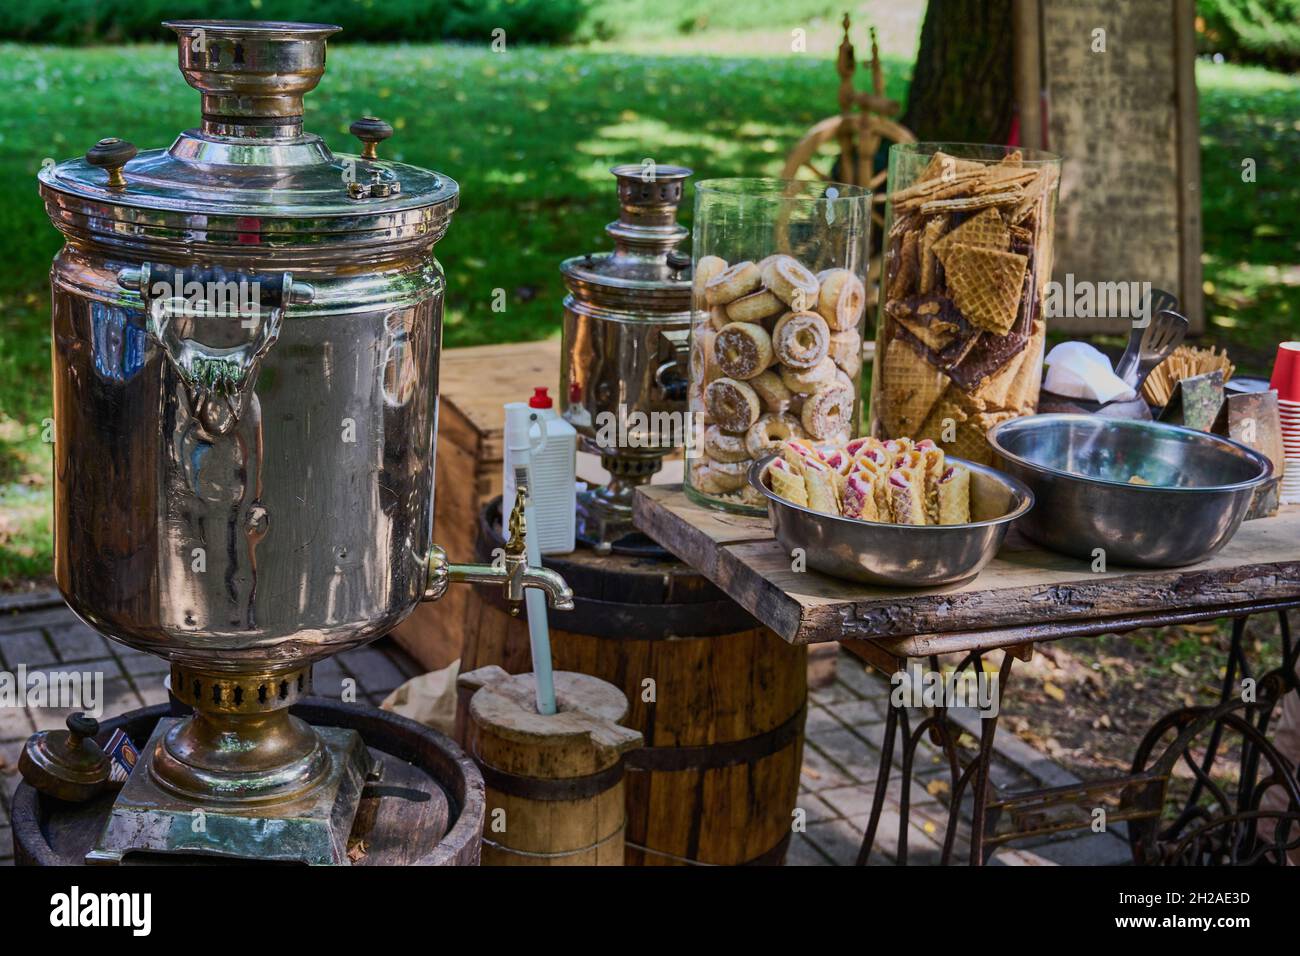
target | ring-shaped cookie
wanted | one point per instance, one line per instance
(742, 349)
(771, 392)
(732, 404)
(733, 282)
(754, 307)
(808, 380)
(707, 268)
(767, 434)
(703, 366)
(846, 351)
(793, 283)
(827, 412)
(717, 478)
(801, 339)
(841, 299)
(724, 446)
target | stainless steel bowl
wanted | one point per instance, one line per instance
(1079, 468)
(897, 554)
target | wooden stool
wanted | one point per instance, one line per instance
(554, 782)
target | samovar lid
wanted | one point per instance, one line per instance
(250, 174)
(644, 274)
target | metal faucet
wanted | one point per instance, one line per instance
(511, 569)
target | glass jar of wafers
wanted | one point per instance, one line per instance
(967, 257)
(778, 307)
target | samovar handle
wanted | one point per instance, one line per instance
(673, 376)
(510, 569)
(217, 380)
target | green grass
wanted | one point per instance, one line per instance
(530, 136)
(682, 17)
(1252, 230)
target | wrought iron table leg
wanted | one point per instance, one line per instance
(988, 729)
(1226, 829)
(944, 732)
(882, 785)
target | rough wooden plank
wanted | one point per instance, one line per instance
(1024, 587)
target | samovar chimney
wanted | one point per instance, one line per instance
(253, 76)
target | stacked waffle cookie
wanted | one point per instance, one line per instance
(775, 354)
(967, 258)
(897, 481)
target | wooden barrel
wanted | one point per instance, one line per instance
(554, 782)
(719, 699)
(427, 810)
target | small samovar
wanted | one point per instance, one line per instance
(246, 335)
(626, 332)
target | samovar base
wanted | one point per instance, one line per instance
(312, 828)
(604, 520)
(240, 777)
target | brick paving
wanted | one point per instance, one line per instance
(48, 638)
(844, 732)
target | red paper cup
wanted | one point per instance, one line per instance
(1286, 372)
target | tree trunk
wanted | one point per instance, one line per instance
(963, 89)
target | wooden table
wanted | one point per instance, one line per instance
(1025, 595)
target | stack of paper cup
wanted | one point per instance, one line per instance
(1286, 379)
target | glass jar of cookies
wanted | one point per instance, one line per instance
(967, 257)
(778, 307)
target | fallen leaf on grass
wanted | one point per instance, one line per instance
(1052, 691)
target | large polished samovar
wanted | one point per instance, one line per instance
(627, 318)
(246, 337)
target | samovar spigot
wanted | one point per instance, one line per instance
(509, 569)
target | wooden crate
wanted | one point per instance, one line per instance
(474, 384)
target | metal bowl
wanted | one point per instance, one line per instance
(900, 555)
(1079, 467)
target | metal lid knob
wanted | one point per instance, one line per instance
(372, 131)
(112, 154)
(66, 764)
(678, 262)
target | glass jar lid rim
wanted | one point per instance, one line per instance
(788, 189)
(1029, 156)
(254, 27)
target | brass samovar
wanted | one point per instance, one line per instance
(246, 339)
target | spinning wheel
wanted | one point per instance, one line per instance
(843, 148)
